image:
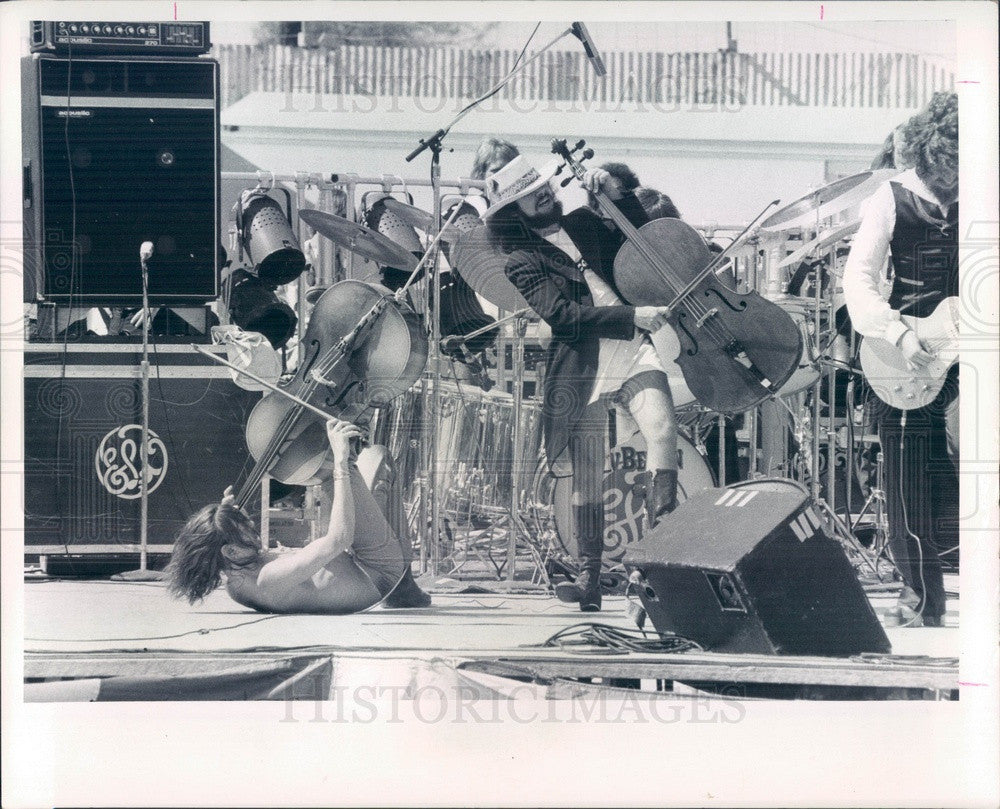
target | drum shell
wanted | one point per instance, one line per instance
(474, 435)
(803, 314)
(623, 510)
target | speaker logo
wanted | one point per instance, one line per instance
(119, 461)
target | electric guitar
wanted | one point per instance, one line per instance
(886, 369)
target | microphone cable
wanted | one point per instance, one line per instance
(620, 640)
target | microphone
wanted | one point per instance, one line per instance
(579, 30)
(146, 251)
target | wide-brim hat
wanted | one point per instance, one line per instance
(515, 180)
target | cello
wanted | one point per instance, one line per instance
(736, 348)
(362, 348)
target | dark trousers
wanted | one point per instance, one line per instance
(921, 481)
(587, 445)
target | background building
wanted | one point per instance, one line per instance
(723, 118)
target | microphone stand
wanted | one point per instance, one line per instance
(431, 417)
(143, 573)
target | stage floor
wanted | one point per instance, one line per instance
(98, 629)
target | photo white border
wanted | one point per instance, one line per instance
(800, 753)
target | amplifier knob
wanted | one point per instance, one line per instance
(84, 28)
(142, 30)
(72, 29)
(107, 29)
(119, 29)
(130, 30)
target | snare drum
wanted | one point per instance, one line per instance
(623, 511)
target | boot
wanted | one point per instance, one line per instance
(661, 496)
(407, 594)
(586, 589)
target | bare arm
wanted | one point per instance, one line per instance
(298, 566)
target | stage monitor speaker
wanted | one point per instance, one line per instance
(751, 569)
(118, 151)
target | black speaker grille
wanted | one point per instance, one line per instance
(115, 173)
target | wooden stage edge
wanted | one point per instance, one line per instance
(102, 640)
(935, 678)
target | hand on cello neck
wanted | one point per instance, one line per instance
(344, 438)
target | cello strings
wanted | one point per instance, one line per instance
(327, 363)
(714, 330)
(723, 334)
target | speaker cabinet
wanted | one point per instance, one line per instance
(749, 569)
(82, 444)
(118, 151)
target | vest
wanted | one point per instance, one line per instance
(924, 251)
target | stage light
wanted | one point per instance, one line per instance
(253, 306)
(267, 238)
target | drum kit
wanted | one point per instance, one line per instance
(488, 442)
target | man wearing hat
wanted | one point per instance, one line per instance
(600, 350)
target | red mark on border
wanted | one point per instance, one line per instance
(820, 10)
(962, 682)
(175, 11)
(967, 81)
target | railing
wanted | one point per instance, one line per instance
(899, 80)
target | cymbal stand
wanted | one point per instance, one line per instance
(516, 525)
(435, 142)
(839, 528)
(428, 494)
(876, 505)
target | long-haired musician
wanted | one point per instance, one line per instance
(562, 265)
(913, 219)
(357, 562)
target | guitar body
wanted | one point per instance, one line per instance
(886, 370)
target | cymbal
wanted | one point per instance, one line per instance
(825, 239)
(360, 240)
(482, 267)
(826, 201)
(410, 214)
(422, 220)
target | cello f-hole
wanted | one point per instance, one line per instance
(740, 307)
(332, 402)
(314, 349)
(682, 325)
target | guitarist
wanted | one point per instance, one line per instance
(562, 266)
(913, 220)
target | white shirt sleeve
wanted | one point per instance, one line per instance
(864, 274)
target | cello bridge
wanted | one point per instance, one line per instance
(710, 313)
(322, 380)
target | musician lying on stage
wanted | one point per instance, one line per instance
(356, 563)
(600, 355)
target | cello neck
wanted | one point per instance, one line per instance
(337, 353)
(612, 212)
(621, 221)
